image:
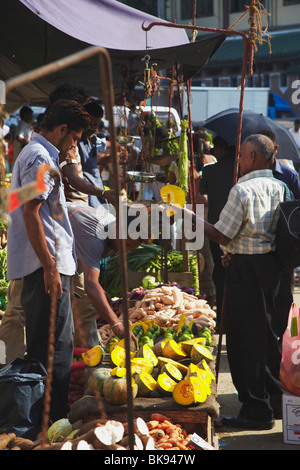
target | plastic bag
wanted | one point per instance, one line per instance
(290, 361)
(22, 385)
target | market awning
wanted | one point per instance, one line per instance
(45, 31)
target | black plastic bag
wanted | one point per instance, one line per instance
(22, 386)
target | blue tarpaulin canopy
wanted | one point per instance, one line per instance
(37, 32)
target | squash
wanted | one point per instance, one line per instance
(146, 384)
(139, 364)
(165, 385)
(97, 378)
(199, 352)
(115, 390)
(195, 371)
(203, 365)
(118, 371)
(173, 350)
(146, 352)
(118, 355)
(189, 343)
(93, 357)
(164, 360)
(190, 391)
(172, 194)
(172, 371)
(159, 346)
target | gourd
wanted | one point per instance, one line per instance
(97, 379)
(190, 391)
(146, 384)
(147, 353)
(165, 385)
(173, 350)
(172, 371)
(199, 352)
(93, 357)
(115, 390)
(189, 343)
(164, 360)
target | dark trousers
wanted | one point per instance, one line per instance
(253, 351)
(283, 302)
(36, 304)
(219, 273)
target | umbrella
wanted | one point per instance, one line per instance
(225, 125)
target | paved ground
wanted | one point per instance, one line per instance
(234, 439)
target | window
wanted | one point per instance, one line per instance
(238, 6)
(203, 8)
(147, 6)
(290, 2)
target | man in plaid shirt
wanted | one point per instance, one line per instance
(246, 232)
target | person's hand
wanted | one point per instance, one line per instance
(52, 280)
(225, 260)
(110, 196)
(119, 331)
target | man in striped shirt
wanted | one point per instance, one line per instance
(246, 232)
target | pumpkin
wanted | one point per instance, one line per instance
(190, 391)
(172, 371)
(93, 357)
(165, 385)
(146, 352)
(199, 352)
(172, 194)
(189, 343)
(97, 379)
(164, 360)
(146, 384)
(118, 371)
(139, 364)
(159, 346)
(115, 390)
(118, 355)
(203, 365)
(173, 350)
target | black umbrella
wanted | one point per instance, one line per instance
(225, 125)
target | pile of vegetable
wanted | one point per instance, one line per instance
(164, 305)
(145, 258)
(159, 433)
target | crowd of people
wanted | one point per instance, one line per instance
(57, 255)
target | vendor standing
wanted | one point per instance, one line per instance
(40, 248)
(246, 232)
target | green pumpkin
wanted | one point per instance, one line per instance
(97, 379)
(115, 390)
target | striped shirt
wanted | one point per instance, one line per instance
(250, 215)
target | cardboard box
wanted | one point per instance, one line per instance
(291, 418)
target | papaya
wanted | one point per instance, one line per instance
(190, 391)
(115, 390)
(146, 384)
(93, 357)
(173, 350)
(147, 353)
(165, 385)
(97, 378)
(172, 371)
(199, 352)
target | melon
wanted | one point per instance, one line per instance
(115, 390)
(97, 379)
(190, 391)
